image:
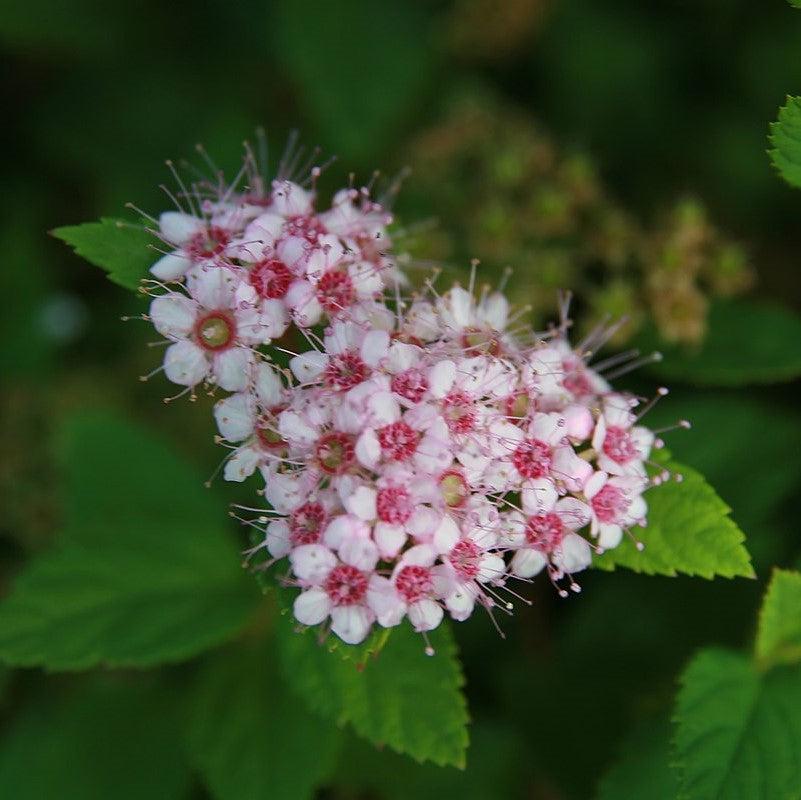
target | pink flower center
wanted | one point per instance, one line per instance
(346, 585)
(459, 412)
(270, 278)
(305, 226)
(411, 384)
(208, 243)
(398, 441)
(215, 331)
(414, 583)
(335, 453)
(393, 505)
(345, 370)
(577, 383)
(465, 557)
(609, 504)
(544, 532)
(306, 523)
(532, 459)
(619, 445)
(453, 486)
(335, 291)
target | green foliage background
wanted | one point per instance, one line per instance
(119, 559)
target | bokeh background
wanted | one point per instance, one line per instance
(615, 148)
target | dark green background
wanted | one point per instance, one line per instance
(665, 97)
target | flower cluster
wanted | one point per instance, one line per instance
(418, 453)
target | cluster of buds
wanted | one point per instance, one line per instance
(418, 452)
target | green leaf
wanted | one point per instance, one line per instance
(689, 530)
(779, 632)
(108, 739)
(145, 571)
(644, 766)
(123, 250)
(738, 732)
(785, 140)
(402, 698)
(748, 342)
(795, 3)
(249, 737)
(360, 68)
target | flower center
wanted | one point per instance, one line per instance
(609, 504)
(459, 412)
(544, 532)
(414, 583)
(619, 445)
(481, 341)
(398, 441)
(345, 370)
(335, 453)
(306, 227)
(335, 291)
(393, 505)
(306, 523)
(215, 331)
(267, 430)
(532, 459)
(411, 384)
(464, 557)
(454, 488)
(517, 405)
(345, 585)
(208, 243)
(270, 278)
(577, 383)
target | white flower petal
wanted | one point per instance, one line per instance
(173, 315)
(311, 563)
(185, 364)
(311, 607)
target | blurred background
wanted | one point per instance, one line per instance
(614, 148)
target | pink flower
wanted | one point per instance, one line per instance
(616, 503)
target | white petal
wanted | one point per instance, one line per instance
(342, 527)
(277, 537)
(268, 385)
(362, 503)
(538, 496)
(441, 377)
(491, 568)
(290, 200)
(389, 539)
(232, 368)
(574, 554)
(461, 602)
(446, 535)
(171, 266)
(351, 623)
(311, 563)
(213, 287)
(425, 615)
(527, 562)
(385, 602)
(311, 607)
(274, 318)
(368, 449)
(594, 484)
(242, 464)
(173, 315)
(308, 366)
(185, 364)
(359, 552)
(609, 536)
(421, 555)
(375, 347)
(574, 513)
(178, 228)
(235, 417)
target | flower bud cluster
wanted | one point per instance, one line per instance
(417, 454)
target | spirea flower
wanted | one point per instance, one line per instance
(418, 455)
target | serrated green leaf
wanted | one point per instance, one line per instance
(785, 140)
(402, 698)
(795, 3)
(249, 737)
(779, 632)
(357, 61)
(689, 530)
(145, 571)
(738, 732)
(643, 769)
(109, 739)
(748, 342)
(123, 250)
